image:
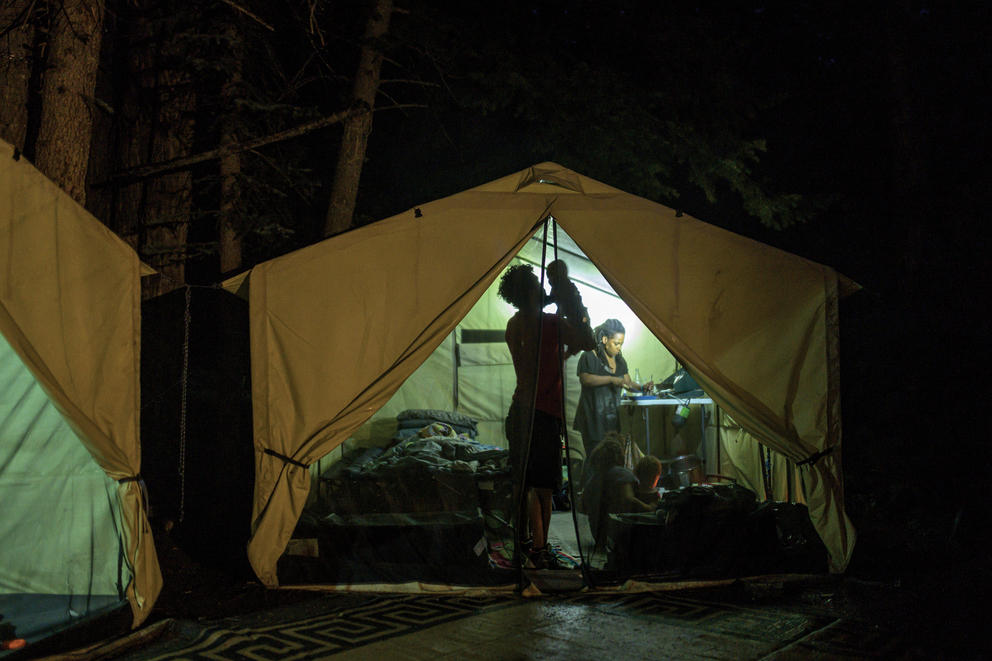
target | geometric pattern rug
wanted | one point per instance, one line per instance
(323, 634)
(312, 635)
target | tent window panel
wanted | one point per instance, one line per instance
(486, 380)
(483, 336)
(484, 393)
(429, 387)
(470, 355)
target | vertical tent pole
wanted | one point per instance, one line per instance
(455, 363)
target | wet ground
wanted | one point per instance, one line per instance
(917, 608)
(682, 624)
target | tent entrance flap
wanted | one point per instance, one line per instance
(70, 292)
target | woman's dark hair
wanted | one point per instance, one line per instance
(608, 453)
(608, 328)
(515, 282)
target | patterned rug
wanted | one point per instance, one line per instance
(798, 635)
(290, 634)
(304, 634)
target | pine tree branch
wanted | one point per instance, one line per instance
(174, 165)
(408, 81)
(249, 14)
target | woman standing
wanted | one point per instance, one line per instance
(533, 338)
(603, 375)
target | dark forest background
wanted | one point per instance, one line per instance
(214, 134)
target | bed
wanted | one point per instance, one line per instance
(432, 504)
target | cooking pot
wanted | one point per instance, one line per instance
(681, 471)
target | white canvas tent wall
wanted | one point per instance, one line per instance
(337, 327)
(72, 519)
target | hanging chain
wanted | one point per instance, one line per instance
(182, 409)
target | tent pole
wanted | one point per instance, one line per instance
(719, 424)
(790, 468)
(573, 503)
(454, 368)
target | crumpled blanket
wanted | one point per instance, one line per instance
(437, 446)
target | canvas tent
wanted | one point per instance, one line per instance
(73, 520)
(336, 328)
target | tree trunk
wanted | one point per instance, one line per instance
(154, 123)
(230, 165)
(351, 155)
(15, 71)
(67, 86)
(168, 199)
(230, 237)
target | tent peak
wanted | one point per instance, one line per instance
(549, 174)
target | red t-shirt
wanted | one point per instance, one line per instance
(521, 338)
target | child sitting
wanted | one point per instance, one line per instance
(648, 471)
(609, 488)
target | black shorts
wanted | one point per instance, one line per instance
(544, 461)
